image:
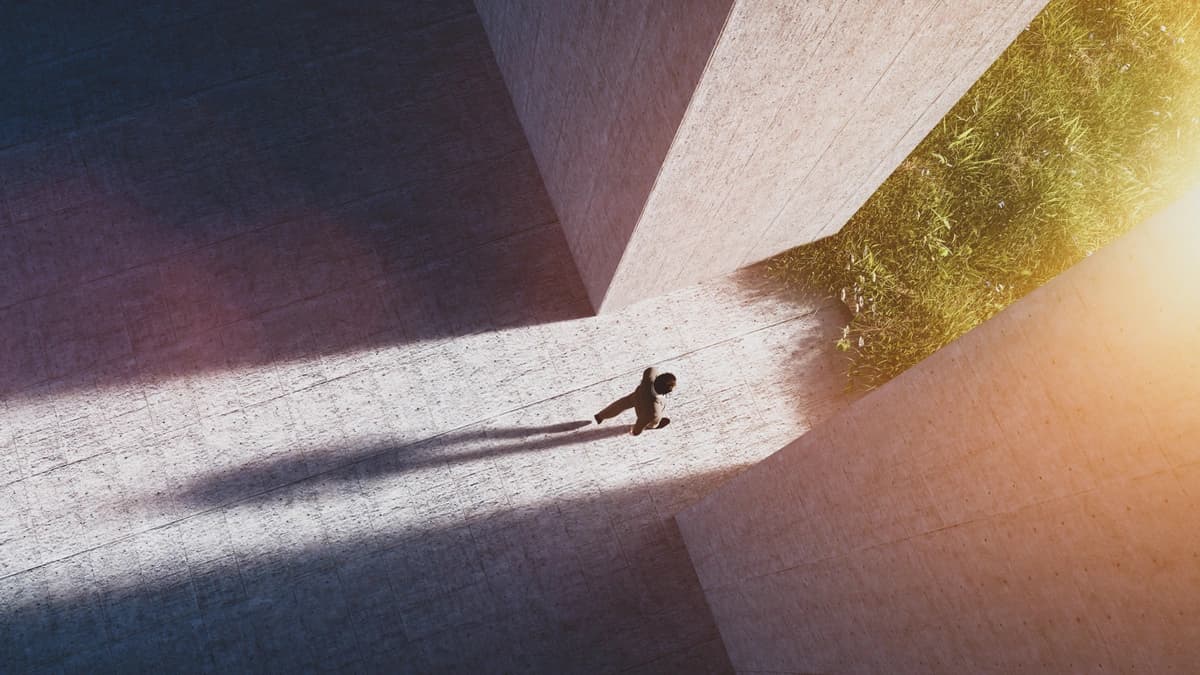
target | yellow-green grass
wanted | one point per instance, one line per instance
(1086, 125)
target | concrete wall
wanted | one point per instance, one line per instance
(795, 113)
(1023, 500)
(600, 87)
(803, 111)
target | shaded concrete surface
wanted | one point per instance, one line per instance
(285, 161)
(293, 361)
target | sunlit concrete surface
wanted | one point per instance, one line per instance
(1024, 500)
(294, 361)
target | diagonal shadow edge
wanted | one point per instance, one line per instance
(395, 597)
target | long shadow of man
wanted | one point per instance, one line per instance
(330, 464)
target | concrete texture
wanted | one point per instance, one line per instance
(292, 356)
(1022, 501)
(682, 141)
(600, 89)
(803, 111)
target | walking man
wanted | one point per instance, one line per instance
(647, 400)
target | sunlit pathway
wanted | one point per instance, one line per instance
(297, 374)
(425, 507)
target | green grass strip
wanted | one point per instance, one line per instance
(1085, 126)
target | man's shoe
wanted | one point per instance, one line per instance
(663, 422)
(597, 418)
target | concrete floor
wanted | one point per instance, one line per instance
(295, 365)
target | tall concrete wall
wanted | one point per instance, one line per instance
(1024, 500)
(683, 140)
(600, 87)
(803, 111)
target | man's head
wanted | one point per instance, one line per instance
(664, 384)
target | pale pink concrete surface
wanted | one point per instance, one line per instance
(600, 89)
(293, 351)
(681, 140)
(1022, 501)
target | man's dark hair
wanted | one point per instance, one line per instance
(663, 384)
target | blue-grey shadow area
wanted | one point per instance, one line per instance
(203, 186)
(590, 583)
(371, 462)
